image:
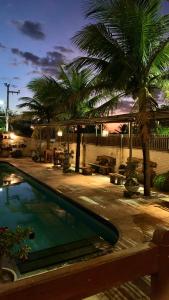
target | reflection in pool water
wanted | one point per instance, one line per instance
(54, 220)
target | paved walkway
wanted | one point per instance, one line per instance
(135, 219)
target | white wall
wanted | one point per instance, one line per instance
(92, 151)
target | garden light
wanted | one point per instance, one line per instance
(59, 133)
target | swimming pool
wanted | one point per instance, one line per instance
(63, 230)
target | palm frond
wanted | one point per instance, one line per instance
(107, 106)
(160, 57)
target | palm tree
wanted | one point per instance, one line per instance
(44, 106)
(77, 92)
(71, 96)
(128, 46)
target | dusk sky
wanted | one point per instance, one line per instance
(34, 37)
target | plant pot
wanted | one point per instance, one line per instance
(7, 275)
(132, 185)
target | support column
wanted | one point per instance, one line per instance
(40, 145)
(78, 142)
(130, 141)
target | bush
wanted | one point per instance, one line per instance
(16, 153)
(161, 182)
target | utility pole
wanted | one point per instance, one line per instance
(7, 103)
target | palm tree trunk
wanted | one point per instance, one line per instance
(146, 167)
(48, 137)
(78, 141)
(145, 138)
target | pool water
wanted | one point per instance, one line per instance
(56, 222)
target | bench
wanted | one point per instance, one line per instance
(104, 164)
(116, 178)
(86, 170)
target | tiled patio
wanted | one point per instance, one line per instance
(135, 218)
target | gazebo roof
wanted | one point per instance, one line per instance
(123, 118)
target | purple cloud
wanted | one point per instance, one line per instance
(48, 64)
(63, 49)
(29, 28)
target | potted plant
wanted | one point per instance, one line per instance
(12, 245)
(131, 183)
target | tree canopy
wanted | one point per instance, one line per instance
(128, 46)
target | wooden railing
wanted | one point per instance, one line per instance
(157, 142)
(87, 278)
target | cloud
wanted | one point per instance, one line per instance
(63, 49)
(35, 72)
(28, 56)
(128, 105)
(29, 28)
(2, 46)
(47, 64)
(124, 106)
(16, 78)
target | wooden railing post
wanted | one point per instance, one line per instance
(160, 280)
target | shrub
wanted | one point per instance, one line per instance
(161, 182)
(16, 153)
(12, 245)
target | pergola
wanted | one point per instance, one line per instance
(123, 118)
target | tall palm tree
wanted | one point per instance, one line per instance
(71, 96)
(77, 92)
(128, 45)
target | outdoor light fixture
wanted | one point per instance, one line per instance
(59, 133)
(12, 136)
(105, 133)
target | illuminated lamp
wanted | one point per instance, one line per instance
(59, 133)
(12, 136)
(105, 133)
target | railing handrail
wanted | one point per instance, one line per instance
(157, 142)
(90, 277)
